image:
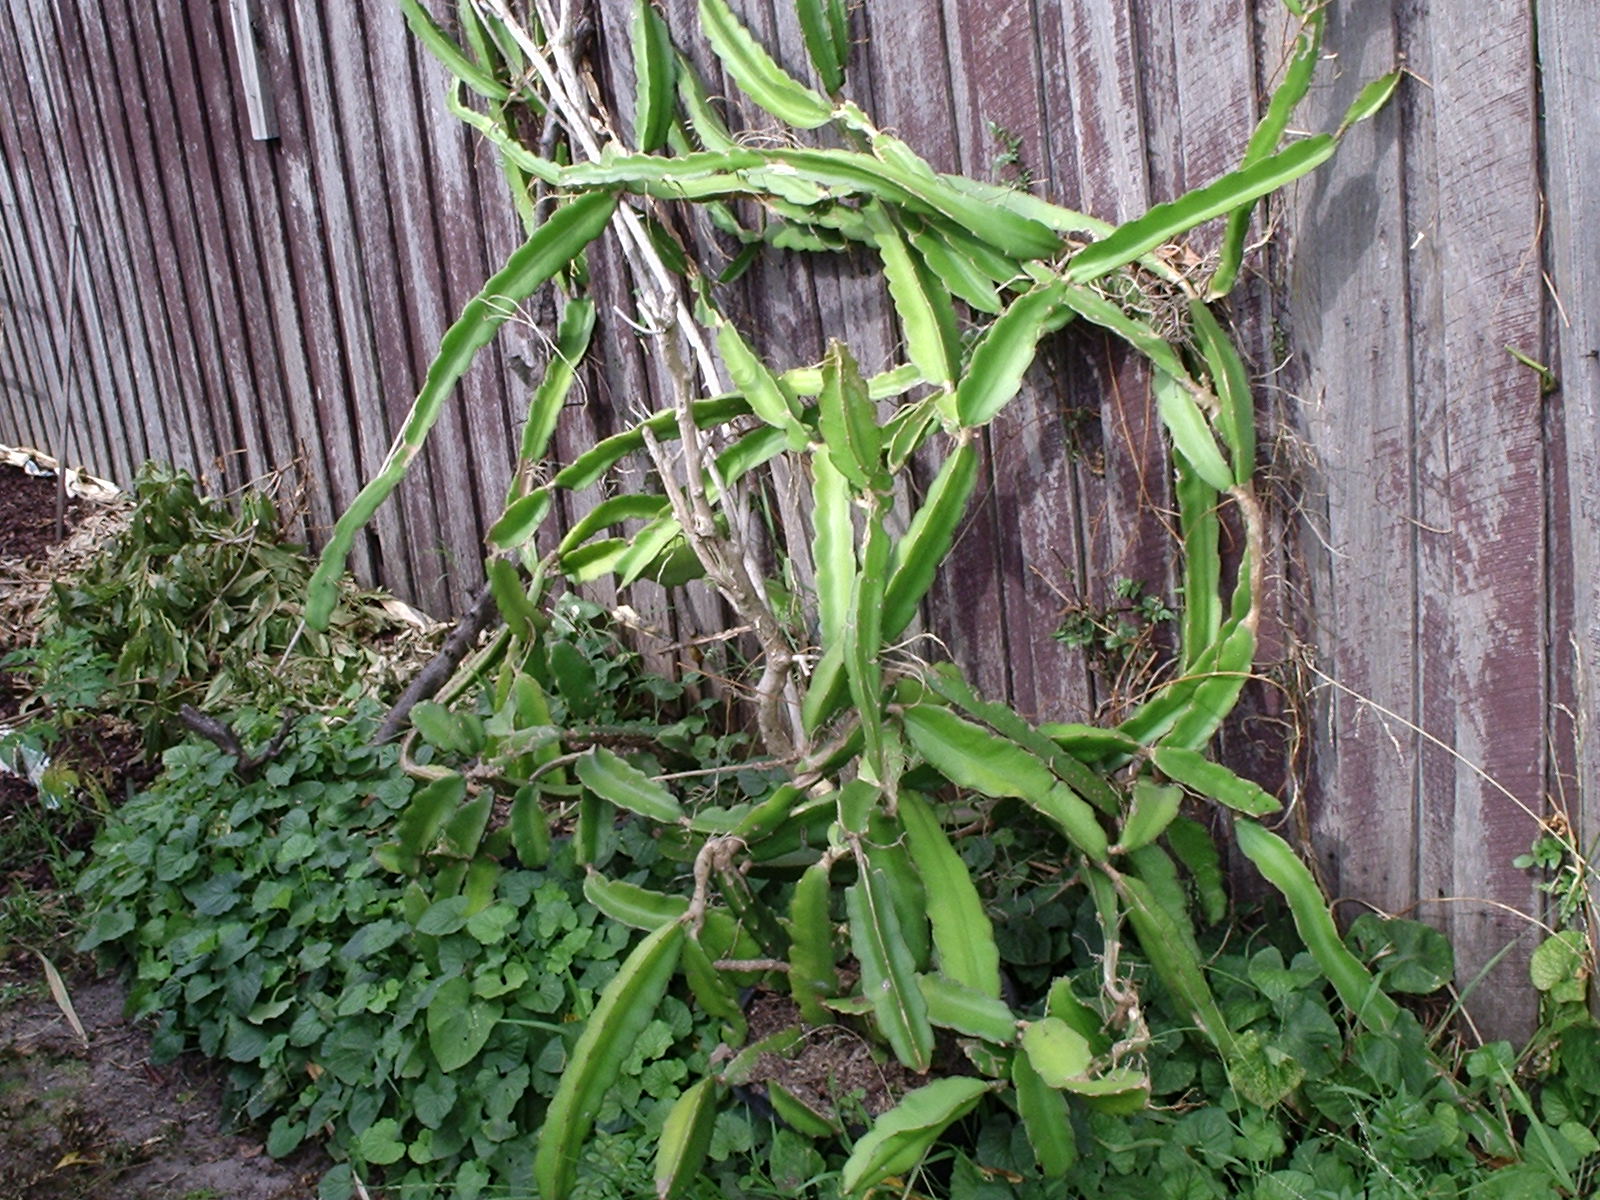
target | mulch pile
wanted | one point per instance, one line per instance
(28, 515)
(104, 752)
(91, 1115)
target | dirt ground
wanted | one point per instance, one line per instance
(92, 1118)
(98, 1121)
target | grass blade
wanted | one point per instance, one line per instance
(63, 999)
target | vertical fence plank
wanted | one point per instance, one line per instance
(1348, 309)
(25, 359)
(1095, 97)
(1488, 231)
(235, 249)
(916, 93)
(122, 382)
(320, 197)
(146, 55)
(379, 285)
(1572, 185)
(422, 295)
(179, 432)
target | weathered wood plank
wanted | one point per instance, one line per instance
(915, 91)
(379, 289)
(204, 244)
(1198, 127)
(185, 154)
(296, 434)
(422, 296)
(234, 246)
(1094, 109)
(1039, 543)
(348, 398)
(303, 300)
(163, 176)
(1347, 309)
(1488, 231)
(474, 457)
(1569, 83)
(115, 386)
(24, 320)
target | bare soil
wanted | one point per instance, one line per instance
(98, 1121)
(831, 1070)
(28, 514)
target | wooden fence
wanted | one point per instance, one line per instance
(246, 303)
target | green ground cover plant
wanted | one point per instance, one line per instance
(416, 1021)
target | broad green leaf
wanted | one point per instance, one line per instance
(833, 549)
(655, 76)
(927, 320)
(919, 553)
(1202, 561)
(1213, 780)
(685, 1138)
(1370, 99)
(520, 521)
(459, 1024)
(613, 511)
(1281, 867)
(819, 28)
(888, 976)
(848, 421)
(962, 934)
(572, 343)
(1006, 351)
(1264, 140)
(1407, 955)
(625, 1007)
(1150, 812)
(1045, 1118)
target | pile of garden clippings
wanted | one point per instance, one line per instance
(83, 1111)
